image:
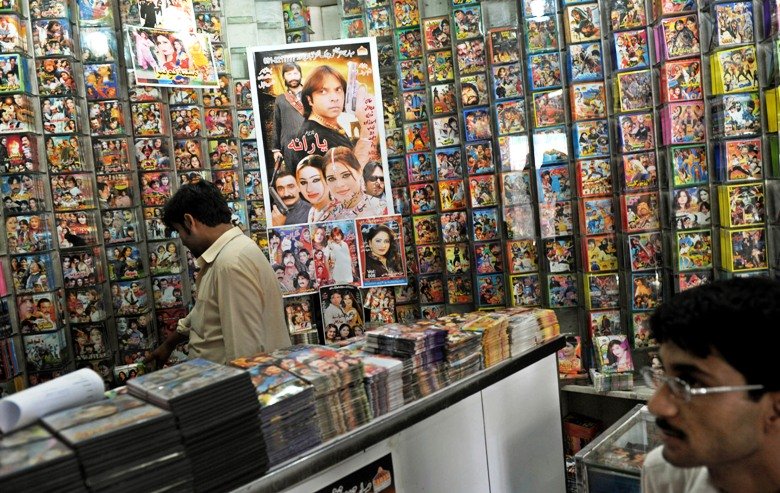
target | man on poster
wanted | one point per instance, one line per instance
(323, 97)
(288, 112)
(290, 194)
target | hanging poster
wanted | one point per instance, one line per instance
(162, 57)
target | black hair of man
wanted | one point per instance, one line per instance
(202, 200)
(710, 319)
(289, 66)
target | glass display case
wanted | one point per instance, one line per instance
(613, 462)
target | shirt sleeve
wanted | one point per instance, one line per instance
(183, 325)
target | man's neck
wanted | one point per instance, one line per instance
(756, 474)
(295, 90)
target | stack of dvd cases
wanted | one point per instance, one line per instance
(737, 145)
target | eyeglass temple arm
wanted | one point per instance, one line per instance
(728, 388)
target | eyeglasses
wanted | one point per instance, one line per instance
(683, 390)
(377, 178)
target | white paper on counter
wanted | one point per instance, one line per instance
(73, 389)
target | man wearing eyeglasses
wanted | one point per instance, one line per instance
(718, 403)
(374, 176)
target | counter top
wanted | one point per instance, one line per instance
(343, 447)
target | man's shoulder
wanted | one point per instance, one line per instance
(660, 476)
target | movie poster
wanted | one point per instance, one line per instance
(162, 57)
(319, 112)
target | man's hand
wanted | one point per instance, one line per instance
(277, 155)
(277, 218)
(156, 359)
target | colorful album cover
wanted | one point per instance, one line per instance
(18, 154)
(95, 13)
(163, 57)
(138, 94)
(425, 229)
(55, 76)
(594, 177)
(90, 342)
(379, 23)
(75, 229)
(640, 171)
(218, 123)
(741, 115)
(23, 193)
(679, 36)
(45, 351)
(635, 90)
(178, 96)
(394, 142)
(485, 224)
(689, 165)
(105, 118)
(429, 260)
(666, 7)
(33, 273)
(598, 216)
(431, 291)
(120, 226)
(101, 81)
(735, 70)
(522, 256)
(124, 262)
(342, 314)
(27, 234)
(645, 251)
(590, 139)
(155, 229)
(457, 259)
(250, 156)
(449, 163)
(614, 353)
(52, 37)
(562, 290)
(516, 188)
(631, 50)
(551, 146)
(640, 211)
(627, 15)
(477, 124)
(544, 71)
(354, 27)
(488, 258)
(85, 305)
(423, 198)
(473, 90)
(733, 23)
(148, 119)
(507, 81)
(412, 75)
(18, 114)
(491, 290)
(467, 21)
(417, 137)
(743, 160)
(687, 280)
(82, 268)
(168, 291)
(646, 291)
(454, 226)
(503, 46)
(156, 188)
(556, 219)
(585, 62)
(16, 40)
(602, 291)
(636, 132)
(600, 253)
(38, 312)
(72, 192)
(398, 172)
(526, 290)
(510, 116)
(559, 254)
(605, 323)
(459, 290)
(694, 250)
(482, 190)
(406, 13)
(60, 115)
(583, 23)
(152, 153)
(446, 131)
(691, 207)
(452, 195)
(223, 153)
(513, 152)
(187, 155)
(742, 205)
(246, 124)
(548, 108)
(98, 45)
(137, 332)
(542, 33)
(681, 80)
(409, 43)
(415, 106)
(744, 250)
(554, 183)
(443, 98)
(471, 56)
(519, 222)
(420, 167)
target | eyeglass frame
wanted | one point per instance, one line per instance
(373, 178)
(683, 390)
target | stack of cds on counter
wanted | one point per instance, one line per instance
(421, 346)
(528, 327)
(112, 440)
(217, 413)
(342, 404)
(464, 349)
(495, 337)
(33, 460)
(287, 410)
(384, 378)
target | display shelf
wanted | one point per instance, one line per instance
(342, 448)
(640, 392)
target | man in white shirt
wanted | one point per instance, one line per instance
(718, 404)
(238, 311)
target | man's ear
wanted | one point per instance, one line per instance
(773, 416)
(189, 222)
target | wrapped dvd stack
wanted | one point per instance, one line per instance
(528, 328)
(384, 378)
(342, 404)
(33, 459)
(422, 349)
(110, 438)
(216, 409)
(287, 413)
(463, 350)
(495, 338)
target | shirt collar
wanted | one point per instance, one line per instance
(211, 253)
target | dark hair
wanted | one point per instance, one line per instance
(289, 66)
(703, 321)
(202, 200)
(611, 358)
(368, 170)
(393, 262)
(315, 81)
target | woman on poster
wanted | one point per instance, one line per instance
(343, 174)
(323, 97)
(382, 258)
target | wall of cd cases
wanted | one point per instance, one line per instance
(588, 156)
